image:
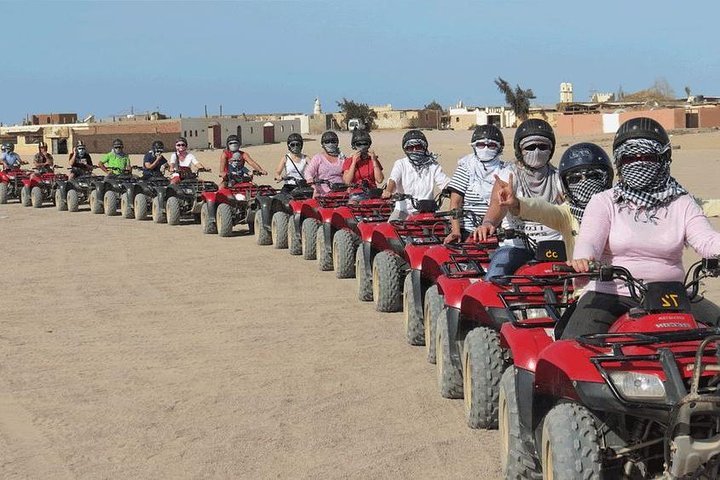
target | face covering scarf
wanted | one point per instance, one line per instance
(536, 178)
(420, 159)
(645, 186)
(332, 149)
(581, 192)
(485, 159)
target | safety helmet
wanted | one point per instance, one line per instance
(531, 127)
(329, 137)
(644, 128)
(42, 145)
(583, 156)
(489, 131)
(117, 143)
(360, 136)
(158, 146)
(181, 140)
(80, 143)
(8, 147)
(416, 136)
(232, 138)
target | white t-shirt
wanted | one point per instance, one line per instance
(536, 231)
(185, 162)
(291, 171)
(418, 184)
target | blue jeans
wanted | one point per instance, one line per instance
(506, 260)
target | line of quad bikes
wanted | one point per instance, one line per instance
(642, 401)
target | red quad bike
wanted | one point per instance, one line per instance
(306, 220)
(40, 188)
(468, 355)
(641, 401)
(338, 236)
(463, 261)
(11, 183)
(232, 205)
(273, 212)
(181, 200)
(387, 251)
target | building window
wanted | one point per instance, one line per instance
(251, 129)
(196, 133)
(282, 128)
(457, 119)
(185, 134)
(48, 119)
(292, 128)
(427, 117)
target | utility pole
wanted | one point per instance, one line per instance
(221, 110)
(205, 111)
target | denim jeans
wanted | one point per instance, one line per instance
(506, 260)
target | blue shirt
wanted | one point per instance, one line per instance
(150, 158)
(11, 158)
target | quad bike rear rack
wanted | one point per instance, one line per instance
(333, 201)
(525, 292)
(428, 231)
(375, 211)
(466, 260)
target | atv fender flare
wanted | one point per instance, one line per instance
(418, 292)
(212, 211)
(369, 255)
(328, 232)
(264, 207)
(453, 319)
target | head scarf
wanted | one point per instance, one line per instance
(536, 178)
(483, 160)
(419, 160)
(645, 186)
(581, 192)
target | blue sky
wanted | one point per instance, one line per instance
(103, 57)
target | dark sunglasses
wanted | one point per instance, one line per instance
(294, 144)
(577, 177)
(492, 145)
(640, 157)
(536, 146)
(415, 148)
(362, 144)
(181, 144)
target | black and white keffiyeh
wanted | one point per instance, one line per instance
(645, 186)
(580, 193)
(419, 160)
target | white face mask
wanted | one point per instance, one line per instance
(233, 147)
(485, 154)
(536, 158)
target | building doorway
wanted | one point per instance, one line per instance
(214, 136)
(692, 120)
(239, 134)
(59, 146)
(268, 133)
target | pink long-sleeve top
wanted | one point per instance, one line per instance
(650, 251)
(320, 168)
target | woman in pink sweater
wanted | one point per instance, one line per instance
(642, 224)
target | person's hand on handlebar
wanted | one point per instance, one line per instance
(483, 232)
(453, 237)
(581, 265)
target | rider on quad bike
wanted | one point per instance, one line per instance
(10, 159)
(327, 166)
(292, 164)
(116, 161)
(417, 174)
(80, 162)
(364, 165)
(474, 178)
(233, 160)
(181, 162)
(43, 161)
(154, 161)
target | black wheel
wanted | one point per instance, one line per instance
(60, 203)
(516, 462)
(308, 232)
(158, 215)
(414, 329)
(208, 225)
(3, 193)
(432, 305)
(25, 199)
(224, 220)
(294, 238)
(363, 276)
(345, 244)
(324, 258)
(36, 197)
(172, 211)
(279, 230)
(140, 207)
(570, 444)
(73, 201)
(262, 234)
(387, 280)
(482, 367)
(449, 377)
(96, 205)
(126, 207)
(110, 203)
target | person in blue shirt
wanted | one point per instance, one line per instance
(9, 158)
(154, 161)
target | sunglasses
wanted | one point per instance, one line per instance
(181, 144)
(640, 157)
(81, 149)
(577, 177)
(415, 148)
(294, 144)
(493, 145)
(118, 148)
(362, 144)
(537, 146)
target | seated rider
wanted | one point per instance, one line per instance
(364, 164)
(80, 161)
(642, 224)
(154, 162)
(233, 160)
(181, 162)
(326, 166)
(293, 163)
(417, 174)
(43, 160)
(473, 180)
(10, 159)
(116, 162)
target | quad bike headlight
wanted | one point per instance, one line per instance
(638, 386)
(240, 197)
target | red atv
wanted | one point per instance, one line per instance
(232, 205)
(40, 188)
(468, 356)
(11, 183)
(642, 401)
(338, 236)
(387, 251)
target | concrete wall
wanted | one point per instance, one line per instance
(198, 131)
(597, 123)
(709, 117)
(669, 118)
(136, 136)
(579, 125)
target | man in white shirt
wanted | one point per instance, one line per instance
(417, 174)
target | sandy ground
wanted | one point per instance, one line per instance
(136, 350)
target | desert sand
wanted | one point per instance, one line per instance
(135, 350)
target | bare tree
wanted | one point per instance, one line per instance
(518, 99)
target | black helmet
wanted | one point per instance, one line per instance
(117, 143)
(528, 128)
(181, 140)
(297, 143)
(80, 143)
(42, 145)
(583, 156)
(641, 127)
(490, 132)
(414, 135)
(8, 147)
(329, 137)
(360, 136)
(158, 146)
(232, 138)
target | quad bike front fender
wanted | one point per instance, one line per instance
(328, 232)
(212, 211)
(264, 207)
